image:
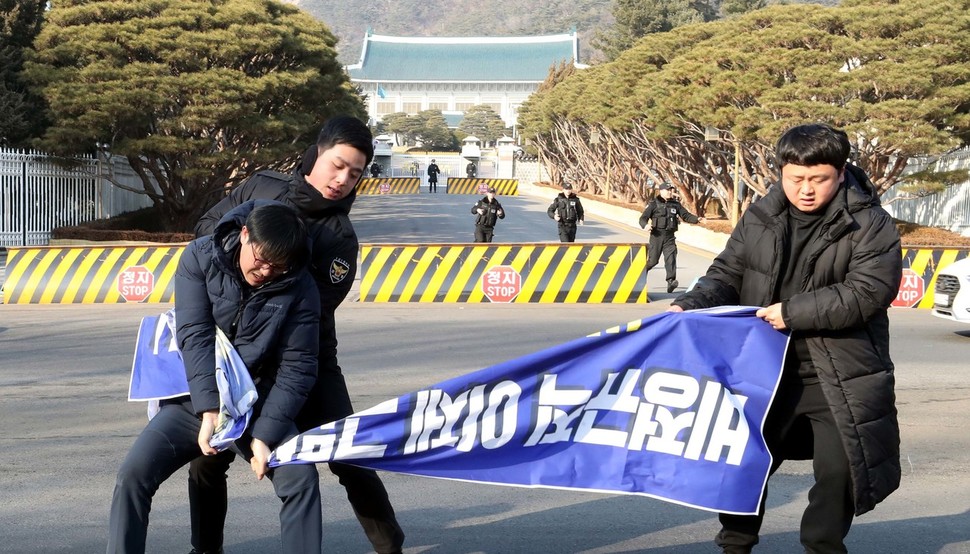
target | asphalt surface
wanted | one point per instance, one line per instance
(66, 425)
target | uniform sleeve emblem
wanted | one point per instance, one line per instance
(338, 270)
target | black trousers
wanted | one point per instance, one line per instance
(365, 490)
(168, 442)
(483, 233)
(433, 184)
(567, 232)
(663, 243)
(827, 519)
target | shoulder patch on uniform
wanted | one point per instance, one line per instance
(338, 270)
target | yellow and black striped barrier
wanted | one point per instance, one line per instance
(925, 263)
(91, 274)
(521, 273)
(465, 185)
(389, 185)
(537, 273)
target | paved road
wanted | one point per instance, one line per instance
(447, 218)
(64, 373)
(66, 425)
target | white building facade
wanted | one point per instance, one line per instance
(452, 74)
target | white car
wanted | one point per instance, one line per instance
(951, 299)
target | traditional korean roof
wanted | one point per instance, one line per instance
(462, 59)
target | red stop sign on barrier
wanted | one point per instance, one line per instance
(384, 187)
(135, 283)
(482, 187)
(911, 290)
(501, 284)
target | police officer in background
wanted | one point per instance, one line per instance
(471, 170)
(433, 171)
(568, 212)
(488, 211)
(660, 218)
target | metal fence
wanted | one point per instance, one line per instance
(39, 192)
(949, 209)
(414, 165)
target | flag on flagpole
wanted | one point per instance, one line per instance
(669, 407)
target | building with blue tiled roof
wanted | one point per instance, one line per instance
(452, 74)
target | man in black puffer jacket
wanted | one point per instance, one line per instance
(322, 189)
(249, 280)
(823, 259)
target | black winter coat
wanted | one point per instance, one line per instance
(273, 327)
(854, 271)
(333, 262)
(493, 212)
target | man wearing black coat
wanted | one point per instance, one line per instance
(487, 211)
(249, 280)
(660, 218)
(823, 258)
(433, 171)
(322, 189)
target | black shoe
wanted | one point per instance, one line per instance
(194, 551)
(671, 285)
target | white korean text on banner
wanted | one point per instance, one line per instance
(669, 407)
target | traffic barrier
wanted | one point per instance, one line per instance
(541, 272)
(466, 185)
(521, 273)
(920, 268)
(389, 185)
(91, 274)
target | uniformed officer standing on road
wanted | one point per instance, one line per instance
(568, 212)
(488, 212)
(660, 218)
(433, 171)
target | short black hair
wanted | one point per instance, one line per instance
(344, 129)
(813, 144)
(280, 234)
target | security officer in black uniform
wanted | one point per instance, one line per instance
(568, 212)
(488, 212)
(433, 171)
(660, 218)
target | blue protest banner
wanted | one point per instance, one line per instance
(669, 407)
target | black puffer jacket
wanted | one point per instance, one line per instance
(854, 271)
(274, 328)
(333, 262)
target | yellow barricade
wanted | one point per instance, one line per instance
(924, 263)
(464, 185)
(389, 185)
(541, 272)
(536, 273)
(91, 274)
